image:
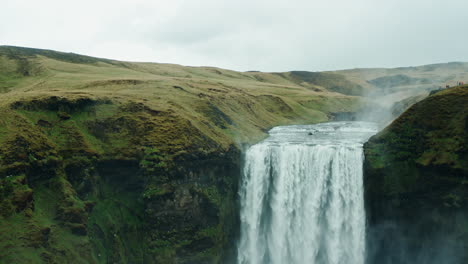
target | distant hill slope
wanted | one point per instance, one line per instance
(331, 81)
(18, 52)
(418, 78)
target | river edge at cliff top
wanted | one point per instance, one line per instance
(343, 132)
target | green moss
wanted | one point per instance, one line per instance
(152, 191)
(15, 195)
(212, 194)
(165, 252)
(415, 175)
(429, 133)
(116, 228)
(152, 159)
(72, 132)
(35, 236)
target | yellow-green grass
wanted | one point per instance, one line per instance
(253, 101)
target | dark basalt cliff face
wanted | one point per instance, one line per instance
(416, 183)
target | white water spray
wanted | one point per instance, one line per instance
(302, 196)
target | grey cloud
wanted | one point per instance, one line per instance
(246, 35)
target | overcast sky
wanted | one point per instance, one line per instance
(246, 35)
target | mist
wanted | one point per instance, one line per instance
(421, 239)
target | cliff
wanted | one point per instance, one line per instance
(104, 161)
(416, 183)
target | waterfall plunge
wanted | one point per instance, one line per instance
(302, 196)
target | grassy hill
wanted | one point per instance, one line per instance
(104, 161)
(249, 99)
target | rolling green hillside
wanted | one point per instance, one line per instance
(252, 100)
(104, 161)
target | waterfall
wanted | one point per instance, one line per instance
(302, 196)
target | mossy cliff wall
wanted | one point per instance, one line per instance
(81, 188)
(416, 183)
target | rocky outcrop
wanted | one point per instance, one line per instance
(416, 183)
